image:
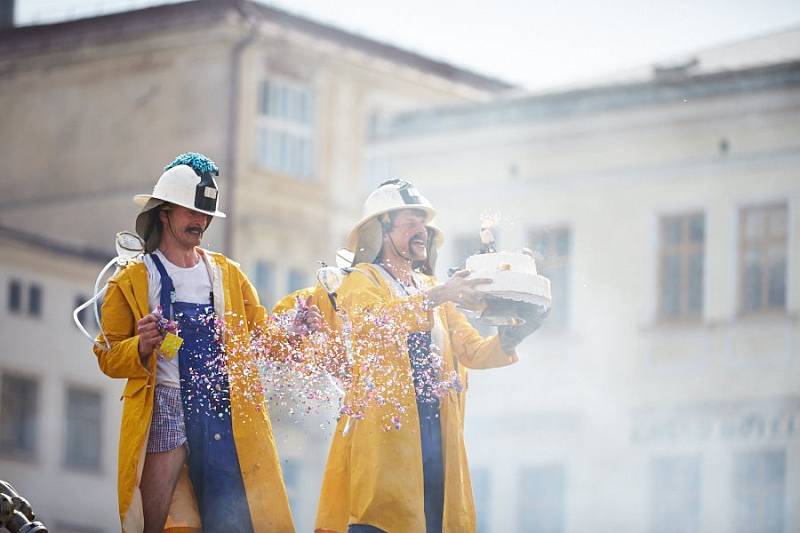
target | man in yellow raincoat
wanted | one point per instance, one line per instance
(413, 477)
(196, 450)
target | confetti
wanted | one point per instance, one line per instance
(358, 370)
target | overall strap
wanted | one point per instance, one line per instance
(167, 297)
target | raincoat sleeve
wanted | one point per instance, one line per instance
(472, 350)
(367, 302)
(281, 343)
(287, 303)
(330, 354)
(119, 324)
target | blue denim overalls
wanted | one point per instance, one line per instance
(213, 462)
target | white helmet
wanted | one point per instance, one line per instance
(366, 238)
(188, 181)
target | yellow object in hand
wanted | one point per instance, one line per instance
(170, 346)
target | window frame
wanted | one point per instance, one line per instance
(685, 249)
(35, 307)
(264, 278)
(67, 465)
(284, 124)
(744, 244)
(18, 454)
(547, 263)
(16, 288)
(755, 496)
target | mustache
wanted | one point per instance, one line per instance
(421, 236)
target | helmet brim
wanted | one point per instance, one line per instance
(142, 200)
(353, 236)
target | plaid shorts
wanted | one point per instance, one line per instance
(167, 430)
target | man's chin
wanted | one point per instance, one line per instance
(194, 239)
(418, 257)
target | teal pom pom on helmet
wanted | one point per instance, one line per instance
(187, 181)
(199, 163)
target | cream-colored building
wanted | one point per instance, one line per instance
(58, 433)
(92, 110)
(663, 393)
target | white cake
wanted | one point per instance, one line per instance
(513, 276)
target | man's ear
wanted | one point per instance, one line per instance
(162, 215)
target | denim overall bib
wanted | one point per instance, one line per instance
(213, 462)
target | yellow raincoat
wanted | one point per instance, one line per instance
(318, 297)
(374, 476)
(126, 302)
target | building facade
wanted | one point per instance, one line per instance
(662, 393)
(58, 421)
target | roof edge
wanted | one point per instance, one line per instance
(54, 36)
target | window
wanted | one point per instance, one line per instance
(35, 300)
(465, 246)
(19, 413)
(681, 266)
(297, 279)
(14, 296)
(759, 489)
(481, 490)
(762, 257)
(675, 494)
(262, 279)
(542, 491)
(84, 429)
(553, 248)
(286, 129)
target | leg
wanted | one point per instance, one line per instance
(159, 477)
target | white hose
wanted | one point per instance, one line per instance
(98, 293)
(129, 247)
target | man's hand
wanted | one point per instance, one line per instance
(511, 336)
(150, 337)
(307, 318)
(459, 290)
